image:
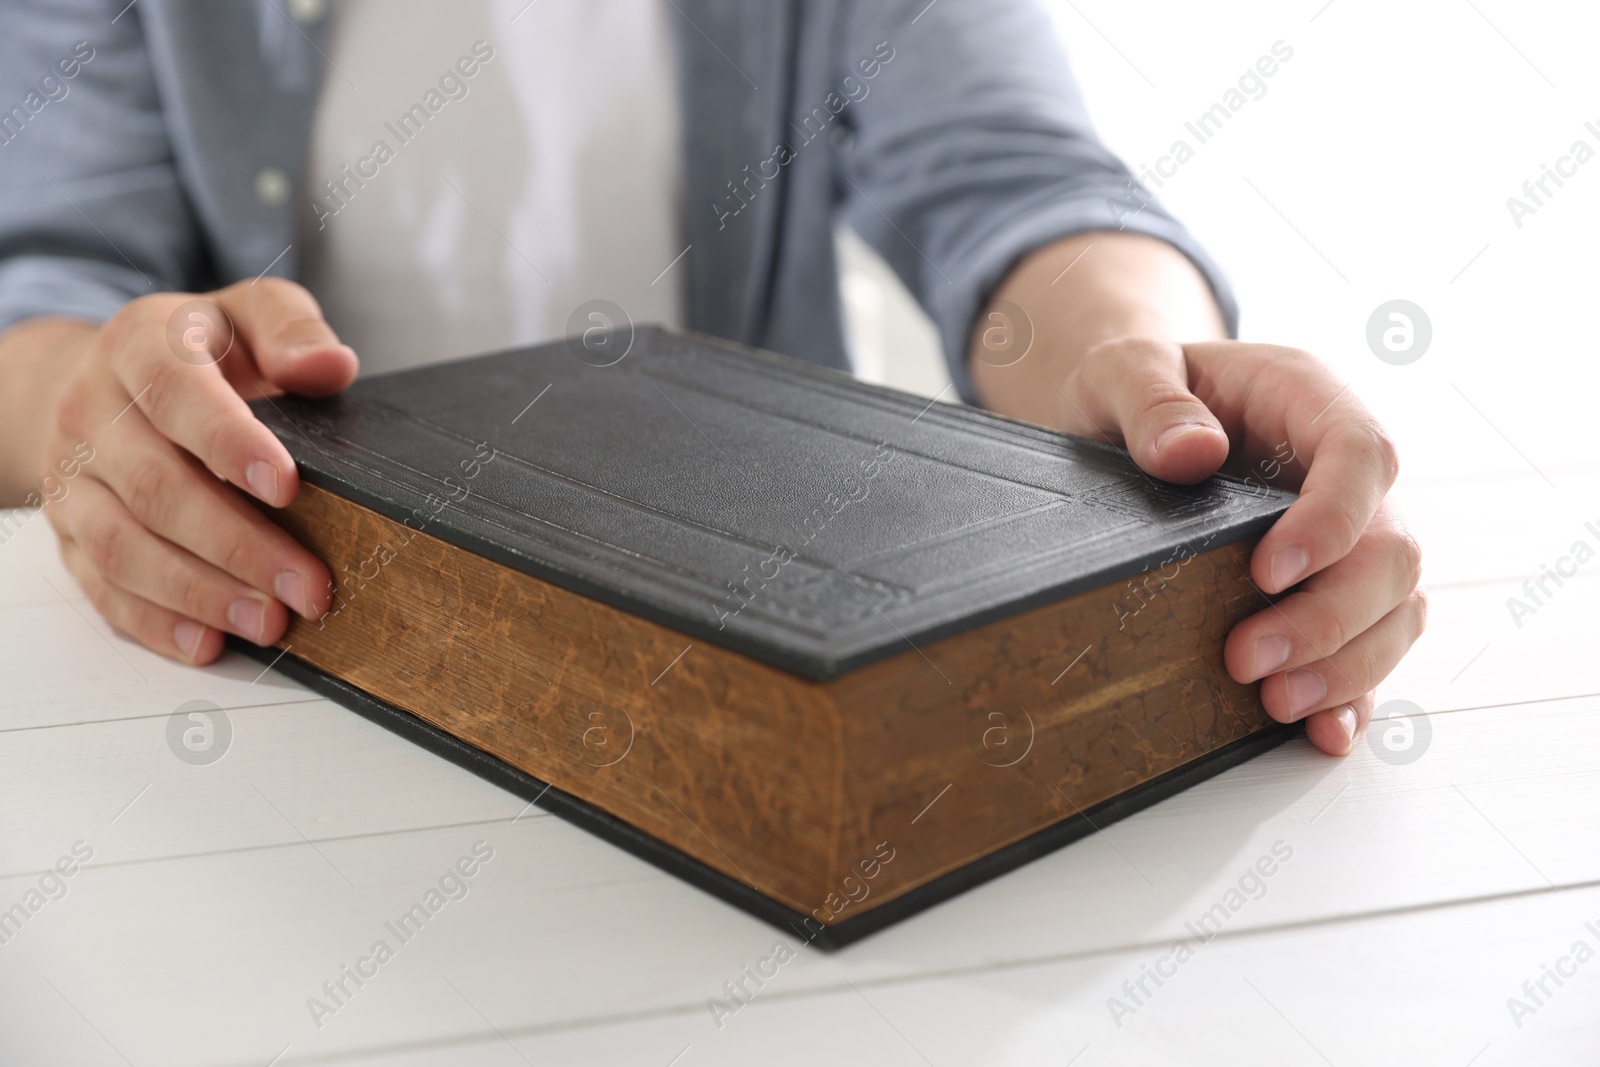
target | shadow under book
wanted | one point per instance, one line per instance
(823, 649)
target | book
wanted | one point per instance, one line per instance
(830, 651)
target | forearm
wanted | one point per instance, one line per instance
(36, 358)
(1076, 293)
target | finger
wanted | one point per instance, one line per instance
(1355, 669)
(1336, 730)
(190, 403)
(1350, 469)
(161, 631)
(1329, 608)
(282, 326)
(168, 492)
(1142, 387)
(133, 559)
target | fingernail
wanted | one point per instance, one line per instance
(1306, 690)
(1271, 653)
(1288, 564)
(186, 635)
(1346, 718)
(248, 617)
(290, 588)
(263, 480)
(295, 351)
(1172, 433)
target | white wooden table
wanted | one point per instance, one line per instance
(219, 897)
(1419, 897)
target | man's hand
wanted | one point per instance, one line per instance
(145, 444)
(1100, 310)
(1320, 651)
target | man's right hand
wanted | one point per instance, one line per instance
(153, 526)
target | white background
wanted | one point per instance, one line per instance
(1391, 141)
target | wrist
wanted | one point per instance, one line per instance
(1071, 296)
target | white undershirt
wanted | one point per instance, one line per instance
(564, 153)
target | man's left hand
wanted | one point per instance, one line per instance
(1184, 411)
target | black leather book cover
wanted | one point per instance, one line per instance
(782, 510)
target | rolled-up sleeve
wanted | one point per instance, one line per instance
(971, 148)
(92, 212)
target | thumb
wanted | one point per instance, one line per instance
(293, 346)
(1141, 386)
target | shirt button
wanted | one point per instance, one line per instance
(308, 11)
(271, 186)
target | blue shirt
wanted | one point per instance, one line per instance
(142, 149)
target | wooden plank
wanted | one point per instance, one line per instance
(283, 774)
(29, 559)
(1474, 652)
(261, 954)
(561, 928)
(1410, 988)
(65, 665)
